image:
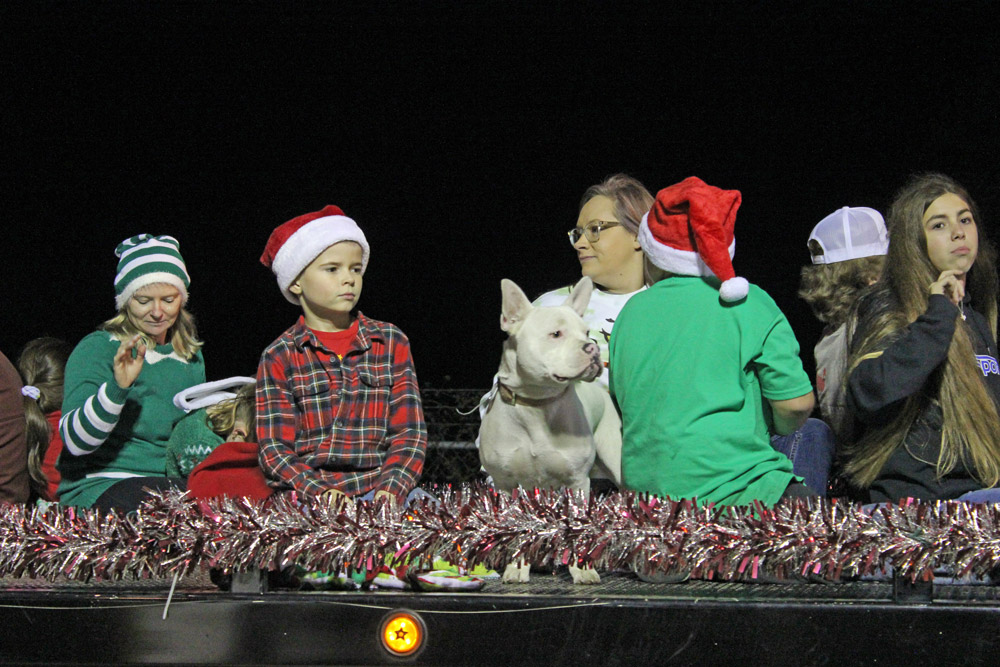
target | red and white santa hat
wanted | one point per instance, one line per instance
(689, 231)
(293, 245)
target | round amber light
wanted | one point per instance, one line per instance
(402, 633)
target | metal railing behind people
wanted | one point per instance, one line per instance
(452, 417)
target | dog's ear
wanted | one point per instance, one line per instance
(515, 306)
(579, 296)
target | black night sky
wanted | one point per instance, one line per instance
(460, 136)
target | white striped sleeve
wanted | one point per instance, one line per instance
(86, 428)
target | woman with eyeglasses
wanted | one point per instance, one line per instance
(604, 239)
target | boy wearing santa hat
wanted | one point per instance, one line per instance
(704, 366)
(338, 406)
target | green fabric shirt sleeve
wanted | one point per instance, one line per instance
(93, 400)
(778, 364)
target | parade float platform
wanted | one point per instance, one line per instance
(548, 621)
(803, 582)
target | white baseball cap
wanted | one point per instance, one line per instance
(852, 232)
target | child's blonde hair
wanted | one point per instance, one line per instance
(42, 365)
(831, 289)
(222, 416)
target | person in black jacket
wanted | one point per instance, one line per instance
(924, 383)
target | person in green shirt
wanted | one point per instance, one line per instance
(118, 410)
(704, 366)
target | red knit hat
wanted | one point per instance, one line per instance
(689, 231)
(293, 245)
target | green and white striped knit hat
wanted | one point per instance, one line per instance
(146, 259)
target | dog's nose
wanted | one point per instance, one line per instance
(590, 348)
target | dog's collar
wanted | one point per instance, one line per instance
(508, 396)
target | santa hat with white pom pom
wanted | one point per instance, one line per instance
(689, 232)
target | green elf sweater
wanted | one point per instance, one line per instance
(112, 433)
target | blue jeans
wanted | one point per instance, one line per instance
(811, 450)
(981, 496)
(977, 496)
(416, 494)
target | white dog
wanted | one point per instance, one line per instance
(547, 426)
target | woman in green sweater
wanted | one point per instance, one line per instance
(118, 408)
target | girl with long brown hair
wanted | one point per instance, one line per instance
(924, 382)
(42, 365)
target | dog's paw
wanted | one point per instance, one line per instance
(584, 576)
(516, 574)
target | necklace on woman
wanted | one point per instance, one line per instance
(961, 310)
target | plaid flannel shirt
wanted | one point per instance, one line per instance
(355, 424)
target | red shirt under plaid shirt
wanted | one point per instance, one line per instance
(354, 424)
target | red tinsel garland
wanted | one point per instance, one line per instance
(796, 538)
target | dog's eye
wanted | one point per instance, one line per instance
(556, 334)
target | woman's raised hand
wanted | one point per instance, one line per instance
(950, 283)
(126, 366)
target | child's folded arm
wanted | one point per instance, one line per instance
(280, 463)
(407, 432)
(276, 432)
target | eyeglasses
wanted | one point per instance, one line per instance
(592, 231)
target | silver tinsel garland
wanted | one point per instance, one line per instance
(795, 539)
